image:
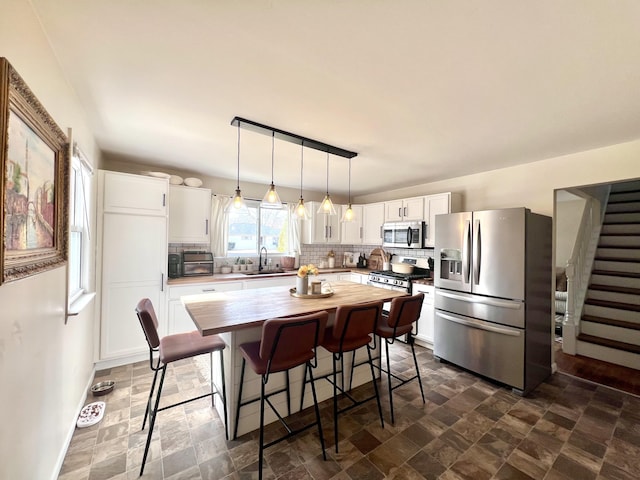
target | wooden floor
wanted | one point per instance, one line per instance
(604, 373)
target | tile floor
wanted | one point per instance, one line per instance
(469, 428)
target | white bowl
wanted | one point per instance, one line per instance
(192, 182)
(402, 267)
(175, 180)
(226, 269)
(159, 174)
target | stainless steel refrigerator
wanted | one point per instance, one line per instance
(493, 294)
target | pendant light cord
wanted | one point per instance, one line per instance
(238, 181)
(327, 173)
(349, 182)
(273, 135)
(301, 166)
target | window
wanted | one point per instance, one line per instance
(258, 227)
(78, 227)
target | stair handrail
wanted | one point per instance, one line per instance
(578, 271)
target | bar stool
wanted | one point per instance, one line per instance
(285, 344)
(404, 311)
(172, 348)
(352, 329)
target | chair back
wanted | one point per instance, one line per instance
(354, 324)
(289, 342)
(403, 312)
(148, 322)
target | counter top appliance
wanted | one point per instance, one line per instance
(493, 294)
(197, 263)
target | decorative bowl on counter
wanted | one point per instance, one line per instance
(402, 267)
(225, 269)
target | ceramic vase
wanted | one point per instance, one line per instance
(302, 285)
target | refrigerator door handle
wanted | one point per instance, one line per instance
(485, 301)
(477, 249)
(466, 260)
(480, 325)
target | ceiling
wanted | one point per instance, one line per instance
(422, 90)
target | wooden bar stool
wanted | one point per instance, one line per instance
(352, 329)
(404, 311)
(285, 344)
(172, 348)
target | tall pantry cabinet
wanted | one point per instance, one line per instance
(132, 246)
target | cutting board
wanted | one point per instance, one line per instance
(376, 259)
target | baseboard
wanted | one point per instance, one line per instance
(117, 362)
(72, 429)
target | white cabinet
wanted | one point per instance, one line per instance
(136, 194)
(286, 280)
(358, 278)
(189, 214)
(132, 251)
(372, 220)
(351, 232)
(407, 209)
(179, 320)
(436, 205)
(320, 228)
(425, 323)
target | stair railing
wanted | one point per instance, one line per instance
(578, 271)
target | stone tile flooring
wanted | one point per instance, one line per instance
(469, 428)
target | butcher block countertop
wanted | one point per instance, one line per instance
(219, 312)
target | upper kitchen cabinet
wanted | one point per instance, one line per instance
(136, 194)
(189, 214)
(436, 205)
(132, 253)
(351, 232)
(407, 209)
(372, 220)
(320, 228)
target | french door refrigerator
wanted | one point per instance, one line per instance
(493, 294)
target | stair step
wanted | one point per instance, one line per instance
(613, 297)
(606, 311)
(615, 305)
(628, 240)
(615, 289)
(617, 218)
(616, 266)
(630, 196)
(620, 207)
(611, 332)
(623, 254)
(605, 342)
(628, 186)
(615, 273)
(612, 322)
(608, 354)
(621, 229)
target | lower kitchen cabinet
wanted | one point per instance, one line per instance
(425, 323)
(179, 320)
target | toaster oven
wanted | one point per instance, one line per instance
(197, 263)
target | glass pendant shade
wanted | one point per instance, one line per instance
(271, 199)
(238, 201)
(326, 207)
(349, 215)
(301, 210)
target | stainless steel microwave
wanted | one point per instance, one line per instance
(404, 234)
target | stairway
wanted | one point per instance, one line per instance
(610, 323)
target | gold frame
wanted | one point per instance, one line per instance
(17, 99)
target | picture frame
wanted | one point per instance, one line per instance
(34, 182)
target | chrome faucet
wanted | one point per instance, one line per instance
(260, 268)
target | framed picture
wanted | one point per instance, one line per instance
(34, 182)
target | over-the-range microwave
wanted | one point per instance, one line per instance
(404, 234)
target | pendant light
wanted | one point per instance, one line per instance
(301, 210)
(349, 215)
(326, 207)
(271, 198)
(237, 203)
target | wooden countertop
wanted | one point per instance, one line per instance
(219, 312)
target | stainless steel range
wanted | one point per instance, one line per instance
(401, 281)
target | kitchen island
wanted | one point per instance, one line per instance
(237, 317)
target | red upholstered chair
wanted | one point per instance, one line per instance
(172, 348)
(352, 329)
(404, 311)
(285, 344)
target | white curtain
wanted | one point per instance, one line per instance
(219, 225)
(294, 230)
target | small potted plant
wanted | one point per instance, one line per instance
(236, 265)
(225, 268)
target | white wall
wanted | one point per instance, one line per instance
(45, 365)
(532, 185)
(568, 218)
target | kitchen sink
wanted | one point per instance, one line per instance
(266, 272)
